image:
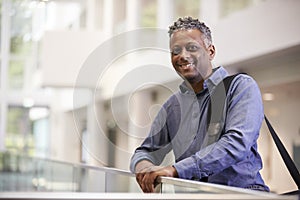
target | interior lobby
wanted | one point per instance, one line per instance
(82, 80)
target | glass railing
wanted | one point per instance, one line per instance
(175, 185)
(23, 177)
(29, 174)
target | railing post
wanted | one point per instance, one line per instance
(105, 182)
(158, 188)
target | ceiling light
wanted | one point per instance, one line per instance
(268, 96)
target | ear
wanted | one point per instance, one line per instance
(211, 52)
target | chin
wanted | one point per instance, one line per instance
(192, 79)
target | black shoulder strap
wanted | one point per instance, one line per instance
(218, 99)
(217, 102)
(215, 112)
(284, 154)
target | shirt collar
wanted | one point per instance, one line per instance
(216, 77)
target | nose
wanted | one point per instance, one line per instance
(184, 54)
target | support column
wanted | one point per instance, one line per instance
(132, 14)
(139, 124)
(209, 11)
(165, 13)
(97, 139)
(5, 43)
(108, 14)
(90, 14)
(140, 121)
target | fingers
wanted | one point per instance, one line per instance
(146, 181)
(140, 175)
(139, 178)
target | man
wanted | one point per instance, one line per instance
(181, 124)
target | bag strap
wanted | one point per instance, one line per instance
(218, 99)
(216, 112)
(284, 154)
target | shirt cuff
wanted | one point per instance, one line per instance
(187, 169)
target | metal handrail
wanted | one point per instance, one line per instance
(213, 188)
(132, 196)
(79, 165)
(23, 172)
(201, 187)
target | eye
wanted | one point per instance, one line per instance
(192, 48)
(176, 50)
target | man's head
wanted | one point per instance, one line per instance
(191, 49)
(187, 23)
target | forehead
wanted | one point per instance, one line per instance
(185, 36)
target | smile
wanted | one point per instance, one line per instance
(186, 66)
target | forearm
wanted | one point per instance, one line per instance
(142, 166)
(211, 160)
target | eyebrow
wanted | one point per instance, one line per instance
(189, 43)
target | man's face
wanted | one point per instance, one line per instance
(189, 55)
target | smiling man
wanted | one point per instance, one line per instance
(181, 125)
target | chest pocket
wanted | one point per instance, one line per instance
(214, 132)
(216, 113)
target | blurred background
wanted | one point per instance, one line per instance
(48, 112)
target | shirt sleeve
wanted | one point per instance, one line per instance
(156, 145)
(243, 121)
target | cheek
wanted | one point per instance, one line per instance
(202, 56)
(173, 60)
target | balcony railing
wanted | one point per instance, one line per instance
(23, 177)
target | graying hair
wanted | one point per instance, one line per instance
(187, 23)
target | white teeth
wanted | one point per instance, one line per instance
(188, 65)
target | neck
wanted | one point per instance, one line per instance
(197, 87)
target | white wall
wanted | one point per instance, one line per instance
(63, 54)
(267, 27)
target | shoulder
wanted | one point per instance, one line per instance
(242, 82)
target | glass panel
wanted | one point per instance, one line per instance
(16, 74)
(28, 174)
(16, 173)
(90, 180)
(148, 13)
(172, 188)
(28, 130)
(119, 183)
(39, 142)
(175, 185)
(18, 128)
(55, 176)
(230, 6)
(21, 28)
(187, 8)
(23, 173)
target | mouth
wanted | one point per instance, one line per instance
(186, 66)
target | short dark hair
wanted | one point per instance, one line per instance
(187, 23)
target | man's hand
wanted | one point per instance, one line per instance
(146, 176)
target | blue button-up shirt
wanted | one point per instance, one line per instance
(181, 126)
